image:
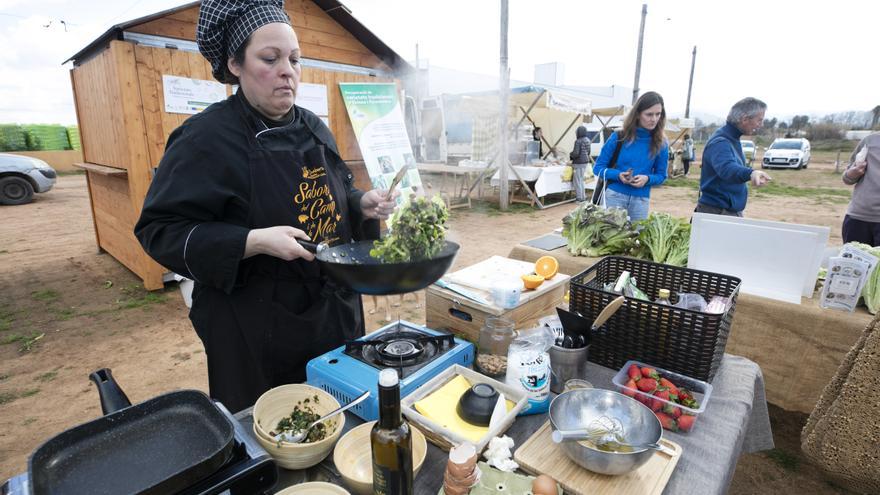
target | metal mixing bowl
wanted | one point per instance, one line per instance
(576, 409)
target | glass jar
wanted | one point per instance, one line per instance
(495, 338)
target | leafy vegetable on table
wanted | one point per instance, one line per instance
(418, 231)
(302, 416)
(593, 231)
(664, 239)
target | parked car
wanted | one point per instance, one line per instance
(787, 153)
(749, 150)
(22, 176)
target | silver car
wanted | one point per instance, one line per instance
(22, 176)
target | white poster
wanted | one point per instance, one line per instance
(314, 97)
(190, 96)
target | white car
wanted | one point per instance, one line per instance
(22, 176)
(787, 153)
(749, 150)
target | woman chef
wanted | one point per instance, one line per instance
(238, 184)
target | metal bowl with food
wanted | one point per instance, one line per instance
(583, 409)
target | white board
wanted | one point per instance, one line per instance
(774, 259)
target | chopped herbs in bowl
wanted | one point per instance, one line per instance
(301, 417)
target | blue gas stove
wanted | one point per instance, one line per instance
(417, 353)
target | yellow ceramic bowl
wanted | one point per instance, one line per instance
(314, 488)
(354, 458)
(278, 403)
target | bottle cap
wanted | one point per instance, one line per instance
(663, 293)
(388, 378)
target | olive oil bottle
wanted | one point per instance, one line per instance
(391, 441)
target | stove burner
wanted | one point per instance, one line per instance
(402, 348)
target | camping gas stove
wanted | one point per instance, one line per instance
(417, 353)
(250, 470)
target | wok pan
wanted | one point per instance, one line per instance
(351, 265)
(161, 445)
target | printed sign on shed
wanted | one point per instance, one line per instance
(190, 96)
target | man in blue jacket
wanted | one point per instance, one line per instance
(724, 173)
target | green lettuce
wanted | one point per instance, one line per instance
(594, 232)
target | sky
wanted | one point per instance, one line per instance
(799, 57)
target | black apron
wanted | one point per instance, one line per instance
(284, 313)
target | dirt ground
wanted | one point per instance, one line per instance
(67, 310)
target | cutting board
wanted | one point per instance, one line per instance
(539, 455)
(492, 271)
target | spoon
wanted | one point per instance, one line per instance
(300, 435)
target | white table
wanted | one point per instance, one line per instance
(546, 180)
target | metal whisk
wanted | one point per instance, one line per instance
(601, 431)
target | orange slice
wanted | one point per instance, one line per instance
(532, 281)
(547, 266)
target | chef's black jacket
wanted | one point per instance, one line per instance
(225, 172)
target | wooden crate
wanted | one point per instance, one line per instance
(449, 311)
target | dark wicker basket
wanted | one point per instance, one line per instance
(684, 341)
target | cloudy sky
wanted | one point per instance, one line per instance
(800, 57)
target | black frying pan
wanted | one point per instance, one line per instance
(351, 265)
(158, 446)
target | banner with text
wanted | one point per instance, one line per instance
(377, 119)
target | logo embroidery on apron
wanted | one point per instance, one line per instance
(317, 211)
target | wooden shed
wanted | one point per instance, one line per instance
(117, 87)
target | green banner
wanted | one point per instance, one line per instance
(377, 119)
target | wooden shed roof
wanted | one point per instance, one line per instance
(333, 8)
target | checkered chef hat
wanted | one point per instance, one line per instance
(225, 24)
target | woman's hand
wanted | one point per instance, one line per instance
(279, 242)
(626, 177)
(639, 181)
(373, 204)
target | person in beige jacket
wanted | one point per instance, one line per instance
(862, 220)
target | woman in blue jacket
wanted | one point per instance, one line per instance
(642, 160)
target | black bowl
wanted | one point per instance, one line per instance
(476, 405)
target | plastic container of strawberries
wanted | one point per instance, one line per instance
(667, 411)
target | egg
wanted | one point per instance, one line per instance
(544, 485)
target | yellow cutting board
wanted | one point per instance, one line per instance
(539, 455)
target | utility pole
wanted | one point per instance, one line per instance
(639, 54)
(687, 108)
(504, 77)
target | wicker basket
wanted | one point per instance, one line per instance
(686, 342)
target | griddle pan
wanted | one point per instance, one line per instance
(351, 265)
(161, 445)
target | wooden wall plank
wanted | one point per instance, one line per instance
(138, 156)
(98, 106)
(114, 218)
(80, 110)
(150, 86)
(165, 26)
(190, 15)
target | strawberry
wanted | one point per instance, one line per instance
(666, 421)
(656, 405)
(666, 383)
(673, 411)
(662, 393)
(650, 373)
(686, 422)
(629, 389)
(686, 399)
(647, 384)
(644, 399)
(634, 372)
